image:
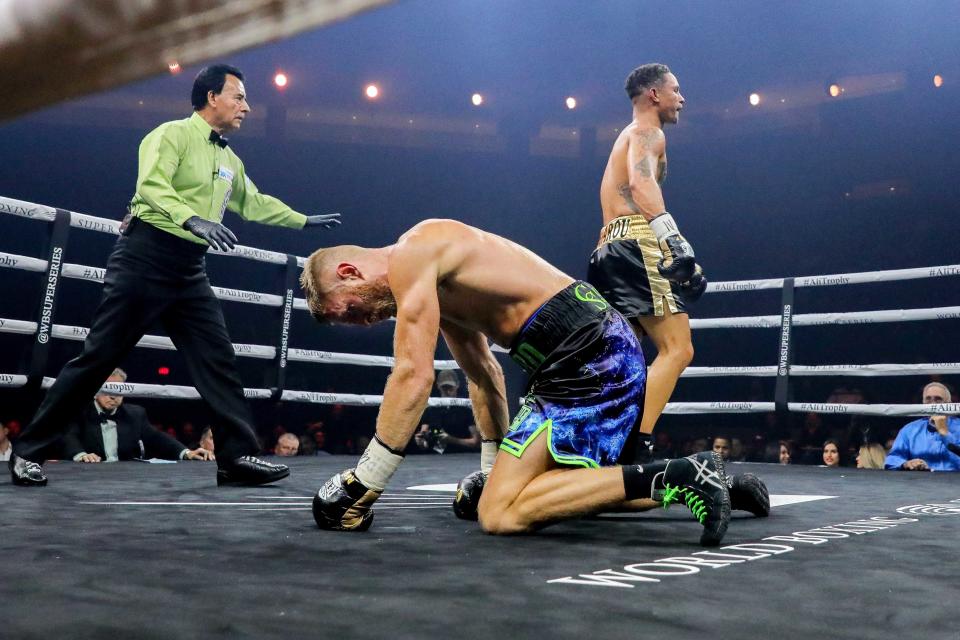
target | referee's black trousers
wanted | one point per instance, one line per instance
(152, 276)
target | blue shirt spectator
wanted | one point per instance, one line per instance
(928, 444)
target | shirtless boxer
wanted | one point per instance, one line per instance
(642, 265)
(557, 459)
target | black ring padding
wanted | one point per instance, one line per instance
(290, 281)
(46, 308)
(781, 394)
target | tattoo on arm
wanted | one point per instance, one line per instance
(644, 167)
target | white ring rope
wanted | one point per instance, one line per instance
(816, 407)
(136, 390)
(827, 370)
(82, 221)
(69, 332)
(836, 279)
(817, 319)
(172, 391)
(95, 274)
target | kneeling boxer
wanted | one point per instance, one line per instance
(558, 458)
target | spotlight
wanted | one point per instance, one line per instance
(476, 99)
(281, 80)
(571, 103)
(174, 67)
(754, 99)
(372, 91)
(835, 90)
(938, 81)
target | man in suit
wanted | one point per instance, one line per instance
(108, 431)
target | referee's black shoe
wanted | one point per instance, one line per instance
(250, 471)
(25, 473)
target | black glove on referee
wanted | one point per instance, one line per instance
(216, 235)
(324, 221)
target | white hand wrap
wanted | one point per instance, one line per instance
(488, 453)
(663, 226)
(377, 465)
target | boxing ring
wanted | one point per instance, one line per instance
(281, 353)
(157, 551)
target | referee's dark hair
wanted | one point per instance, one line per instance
(211, 79)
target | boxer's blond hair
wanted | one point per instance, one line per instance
(317, 277)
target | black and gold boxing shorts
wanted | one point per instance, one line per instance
(623, 268)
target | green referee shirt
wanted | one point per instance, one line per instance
(183, 174)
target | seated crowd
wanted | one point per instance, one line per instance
(930, 443)
(110, 429)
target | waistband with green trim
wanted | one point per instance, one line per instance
(551, 324)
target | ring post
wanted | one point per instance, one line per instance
(283, 340)
(785, 358)
(40, 351)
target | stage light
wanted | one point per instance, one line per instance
(754, 99)
(163, 371)
(281, 80)
(372, 91)
(174, 67)
(476, 99)
(938, 81)
(571, 103)
(835, 90)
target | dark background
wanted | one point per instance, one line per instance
(803, 184)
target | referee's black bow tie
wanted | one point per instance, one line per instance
(216, 138)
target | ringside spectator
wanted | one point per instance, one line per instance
(446, 428)
(871, 456)
(6, 448)
(287, 445)
(109, 430)
(931, 443)
(786, 451)
(721, 445)
(831, 453)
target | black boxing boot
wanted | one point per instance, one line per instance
(700, 481)
(466, 504)
(25, 473)
(250, 471)
(344, 503)
(749, 493)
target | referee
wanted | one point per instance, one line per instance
(187, 177)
